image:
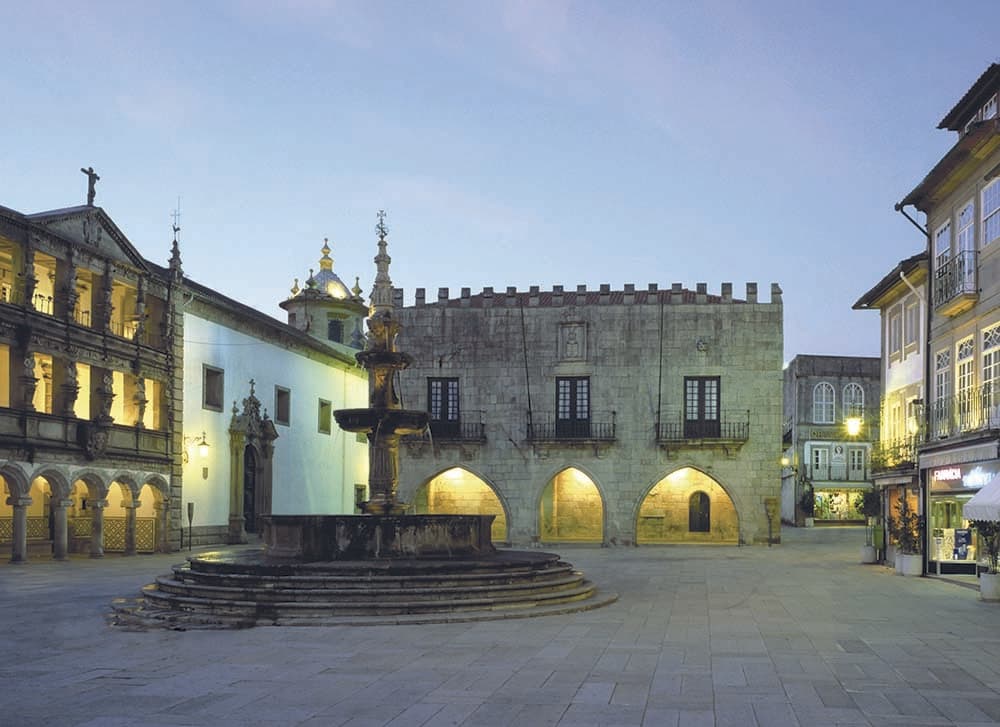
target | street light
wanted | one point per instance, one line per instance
(853, 425)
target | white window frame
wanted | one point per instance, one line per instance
(895, 332)
(991, 362)
(942, 245)
(967, 227)
(819, 459)
(911, 324)
(824, 407)
(853, 402)
(990, 206)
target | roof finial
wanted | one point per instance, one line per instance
(326, 262)
(356, 290)
(91, 182)
(295, 287)
(176, 214)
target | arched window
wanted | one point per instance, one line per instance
(854, 401)
(823, 409)
(699, 513)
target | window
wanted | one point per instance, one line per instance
(212, 388)
(335, 330)
(989, 109)
(325, 415)
(442, 404)
(701, 407)
(991, 364)
(911, 324)
(856, 463)
(573, 406)
(854, 400)
(699, 513)
(991, 213)
(942, 390)
(821, 463)
(965, 379)
(942, 246)
(823, 403)
(282, 405)
(895, 332)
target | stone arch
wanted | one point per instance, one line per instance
(16, 479)
(150, 512)
(571, 507)
(662, 512)
(57, 480)
(459, 490)
(96, 481)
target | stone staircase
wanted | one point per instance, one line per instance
(243, 589)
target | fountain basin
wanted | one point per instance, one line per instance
(313, 538)
(385, 421)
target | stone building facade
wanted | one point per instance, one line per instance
(134, 402)
(607, 416)
(831, 422)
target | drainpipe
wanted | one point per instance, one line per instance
(918, 293)
(921, 480)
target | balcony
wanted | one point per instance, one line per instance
(836, 473)
(955, 289)
(733, 427)
(469, 428)
(542, 428)
(971, 411)
(895, 454)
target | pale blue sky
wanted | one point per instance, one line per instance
(520, 143)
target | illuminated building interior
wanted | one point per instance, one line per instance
(459, 492)
(687, 506)
(571, 509)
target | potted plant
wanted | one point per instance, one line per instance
(989, 582)
(869, 504)
(807, 503)
(907, 530)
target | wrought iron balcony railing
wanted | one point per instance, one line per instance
(468, 428)
(733, 425)
(955, 279)
(895, 454)
(542, 428)
(970, 411)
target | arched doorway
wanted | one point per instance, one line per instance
(250, 489)
(571, 509)
(148, 520)
(457, 491)
(115, 527)
(687, 506)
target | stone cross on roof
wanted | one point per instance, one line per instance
(91, 183)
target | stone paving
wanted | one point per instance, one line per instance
(796, 634)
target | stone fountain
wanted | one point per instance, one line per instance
(380, 567)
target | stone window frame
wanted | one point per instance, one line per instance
(282, 405)
(213, 387)
(324, 414)
(824, 408)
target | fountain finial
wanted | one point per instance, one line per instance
(381, 299)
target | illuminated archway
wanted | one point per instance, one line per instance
(666, 516)
(119, 498)
(571, 509)
(457, 491)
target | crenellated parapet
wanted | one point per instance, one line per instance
(559, 296)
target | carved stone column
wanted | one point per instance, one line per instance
(97, 528)
(161, 514)
(60, 528)
(69, 389)
(28, 383)
(19, 546)
(237, 530)
(28, 279)
(140, 401)
(130, 510)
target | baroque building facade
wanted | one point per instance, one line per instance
(830, 424)
(607, 416)
(960, 197)
(134, 402)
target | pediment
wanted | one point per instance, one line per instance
(91, 229)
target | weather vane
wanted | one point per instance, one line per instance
(176, 214)
(380, 228)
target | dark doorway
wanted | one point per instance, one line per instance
(699, 513)
(250, 490)
(701, 407)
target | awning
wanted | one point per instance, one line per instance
(959, 455)
(985, 504)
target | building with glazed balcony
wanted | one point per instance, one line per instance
(900, 297)
(960, 197)
(830, 425)
(626, 416)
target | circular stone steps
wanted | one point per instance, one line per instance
(246, 588)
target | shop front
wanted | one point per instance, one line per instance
(952, 543)
(837, 504)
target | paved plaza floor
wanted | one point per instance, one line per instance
(796, 634)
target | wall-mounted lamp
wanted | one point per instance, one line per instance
(191, 442)
(853, 425)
